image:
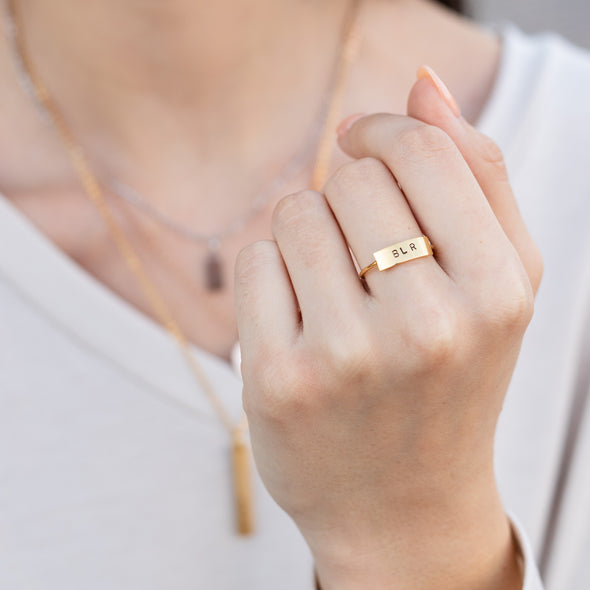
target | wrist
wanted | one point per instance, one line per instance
(465, 552)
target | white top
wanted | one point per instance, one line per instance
(114, 470)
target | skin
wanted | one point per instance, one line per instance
(373, 419)
(373, 411)
(139, 98)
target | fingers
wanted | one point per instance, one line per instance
(439, 177)
(486, 162)
(266, 308)
(318, 261)
(373, 214)
(442, 192)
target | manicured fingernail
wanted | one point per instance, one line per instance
(346, 124)
(430, 74)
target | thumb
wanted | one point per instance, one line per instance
(431, 102)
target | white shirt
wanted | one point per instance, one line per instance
(114, 470)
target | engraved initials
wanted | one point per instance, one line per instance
(402, 252)
(397, 253)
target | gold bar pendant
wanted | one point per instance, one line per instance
(242, 472)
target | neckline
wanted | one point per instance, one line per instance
(102, 321)
(105, 323)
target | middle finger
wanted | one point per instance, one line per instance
(373, 214)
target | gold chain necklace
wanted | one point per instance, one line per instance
(240, 453)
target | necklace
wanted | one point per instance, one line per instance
(213, 273)
(240, 452)
(212, 269)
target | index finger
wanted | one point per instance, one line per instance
(485, 159)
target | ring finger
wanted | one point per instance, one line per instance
(373, 214)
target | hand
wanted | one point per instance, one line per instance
(373, 411)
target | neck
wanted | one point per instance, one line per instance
(189, 99)
(134, 74)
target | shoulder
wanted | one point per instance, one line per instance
(564, 69)
(540, 106)
(541, 75)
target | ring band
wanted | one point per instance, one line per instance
(399, 253)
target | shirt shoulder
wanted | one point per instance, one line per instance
(541, 95)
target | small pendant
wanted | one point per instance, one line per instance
(244, 502)
(213, 267)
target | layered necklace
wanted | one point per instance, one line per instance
(212, 269)
(93, 187)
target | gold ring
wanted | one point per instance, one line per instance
(399, 253)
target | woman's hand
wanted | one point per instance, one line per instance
(373, 411)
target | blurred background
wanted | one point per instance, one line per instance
(571, 18)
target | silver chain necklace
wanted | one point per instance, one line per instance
(212, 264)
(213, 270)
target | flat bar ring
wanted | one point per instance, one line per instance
(399, 253)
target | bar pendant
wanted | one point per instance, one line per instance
(242, 472)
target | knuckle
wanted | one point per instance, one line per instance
(434, 338)
(520, 306)
(280, 390)
(358, 172)
(492, 155)
(423, 141)
(512, 307)
(350, 359)
(295, 209)
(255, 256)
(536, 267)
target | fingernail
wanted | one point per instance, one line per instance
(346, 124)
(430, 74)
